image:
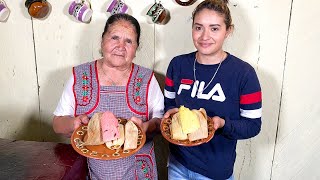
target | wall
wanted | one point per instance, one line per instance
(36, 57)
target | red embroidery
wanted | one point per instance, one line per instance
(138, 99)
(85, 87)
(135, 89)
(84, 76)
(85, 98)
(86, 93)
(137, 83)
(145, 167)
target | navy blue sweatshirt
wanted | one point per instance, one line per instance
(234, 95)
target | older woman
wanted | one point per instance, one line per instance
(114, 83)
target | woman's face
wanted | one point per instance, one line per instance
(209, 32)
(119, 44)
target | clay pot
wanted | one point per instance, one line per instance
(37, 8)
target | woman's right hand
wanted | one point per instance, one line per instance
(170, 112)
(80, 120)
(65, 125)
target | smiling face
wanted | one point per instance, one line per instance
(209, 32)
(119, 44)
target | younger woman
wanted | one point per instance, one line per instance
(224, 85)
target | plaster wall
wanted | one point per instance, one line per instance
(278, 38)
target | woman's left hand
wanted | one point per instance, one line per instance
(143, 125)
(217, 122)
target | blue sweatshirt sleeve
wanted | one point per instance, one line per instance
(169, 90)
(249, 124)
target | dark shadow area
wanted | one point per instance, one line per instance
(77, 165)
(160, 78)
(161, 144)
(48, 103)
(162, 152)
(40, 160)
(32, 129)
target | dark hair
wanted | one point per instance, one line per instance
(220, 6)
(126, 17)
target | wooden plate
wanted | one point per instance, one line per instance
(101, 151)
(165, 131)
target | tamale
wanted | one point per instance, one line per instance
(131, 136)
(202, 132)
(189, 120)
(176, 129)
(117, 143)
(94, 135)
(109, 144)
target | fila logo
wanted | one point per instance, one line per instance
(216, 93)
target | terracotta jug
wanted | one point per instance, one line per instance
(37, 8)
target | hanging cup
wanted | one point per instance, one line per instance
(37, 8)
(4, 11)
(117, 7)
(81, 11)
(158, 14)
(152, 9)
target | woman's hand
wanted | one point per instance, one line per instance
(170, 112)
(65, 125)
(151, 128)
(143, 125)
(80, 120)
(218, 122)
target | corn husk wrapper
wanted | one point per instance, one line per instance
(131, 136)
(189, 120)
(176, 129)
(202, 132)
(94, 134)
